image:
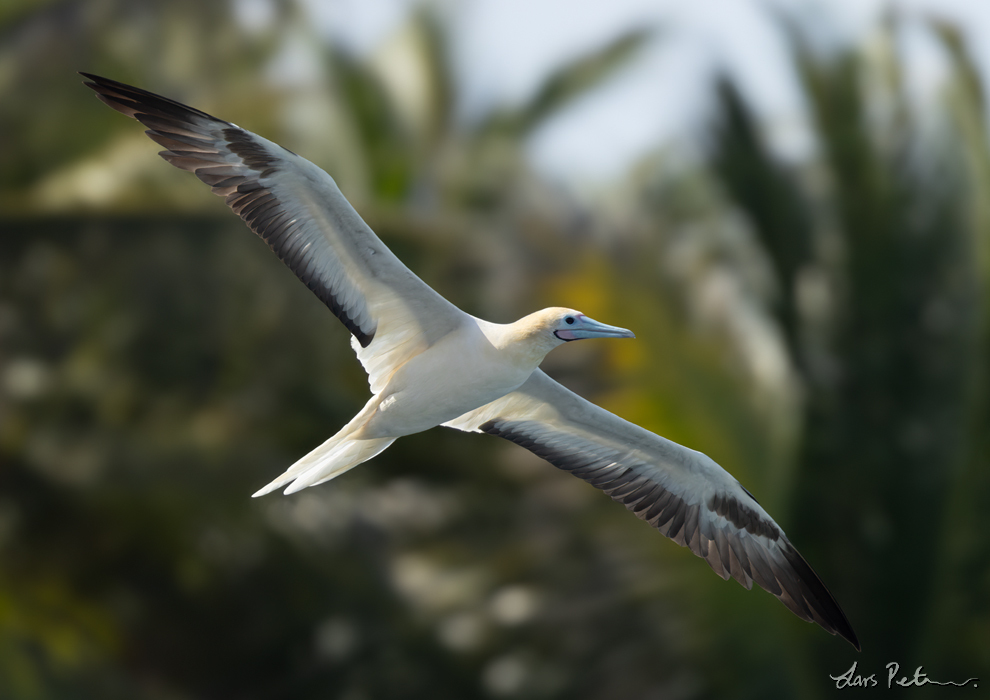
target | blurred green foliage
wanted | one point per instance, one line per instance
(819, 325)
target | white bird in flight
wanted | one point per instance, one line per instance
(430, 364)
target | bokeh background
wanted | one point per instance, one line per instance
(788, 202)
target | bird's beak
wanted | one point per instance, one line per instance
(584, 327)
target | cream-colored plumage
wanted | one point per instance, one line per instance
(468, 367)
(430, 364)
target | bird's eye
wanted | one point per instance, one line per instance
(569, 320)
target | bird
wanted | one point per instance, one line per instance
(431, 364)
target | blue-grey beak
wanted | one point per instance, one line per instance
(584, 327)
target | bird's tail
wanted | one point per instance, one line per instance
(337, 455)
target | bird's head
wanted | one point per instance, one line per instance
(540, 332)
(568, 324)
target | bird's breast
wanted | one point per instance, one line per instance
(458, 374)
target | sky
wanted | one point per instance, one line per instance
(504, 48)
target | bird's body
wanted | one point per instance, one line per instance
(470, 366)
(430, 364)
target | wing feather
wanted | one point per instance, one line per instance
(301, 214)
(682, 493)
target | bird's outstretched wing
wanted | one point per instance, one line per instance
(298, 210)
(682, 493)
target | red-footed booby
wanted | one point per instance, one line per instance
(430, 364)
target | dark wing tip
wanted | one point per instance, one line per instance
(132, 101)
(806, 596)
(821, 602)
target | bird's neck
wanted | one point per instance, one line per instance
(525, 344)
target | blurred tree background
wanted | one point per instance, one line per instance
(819, 325)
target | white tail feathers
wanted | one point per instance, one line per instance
(332, 458)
